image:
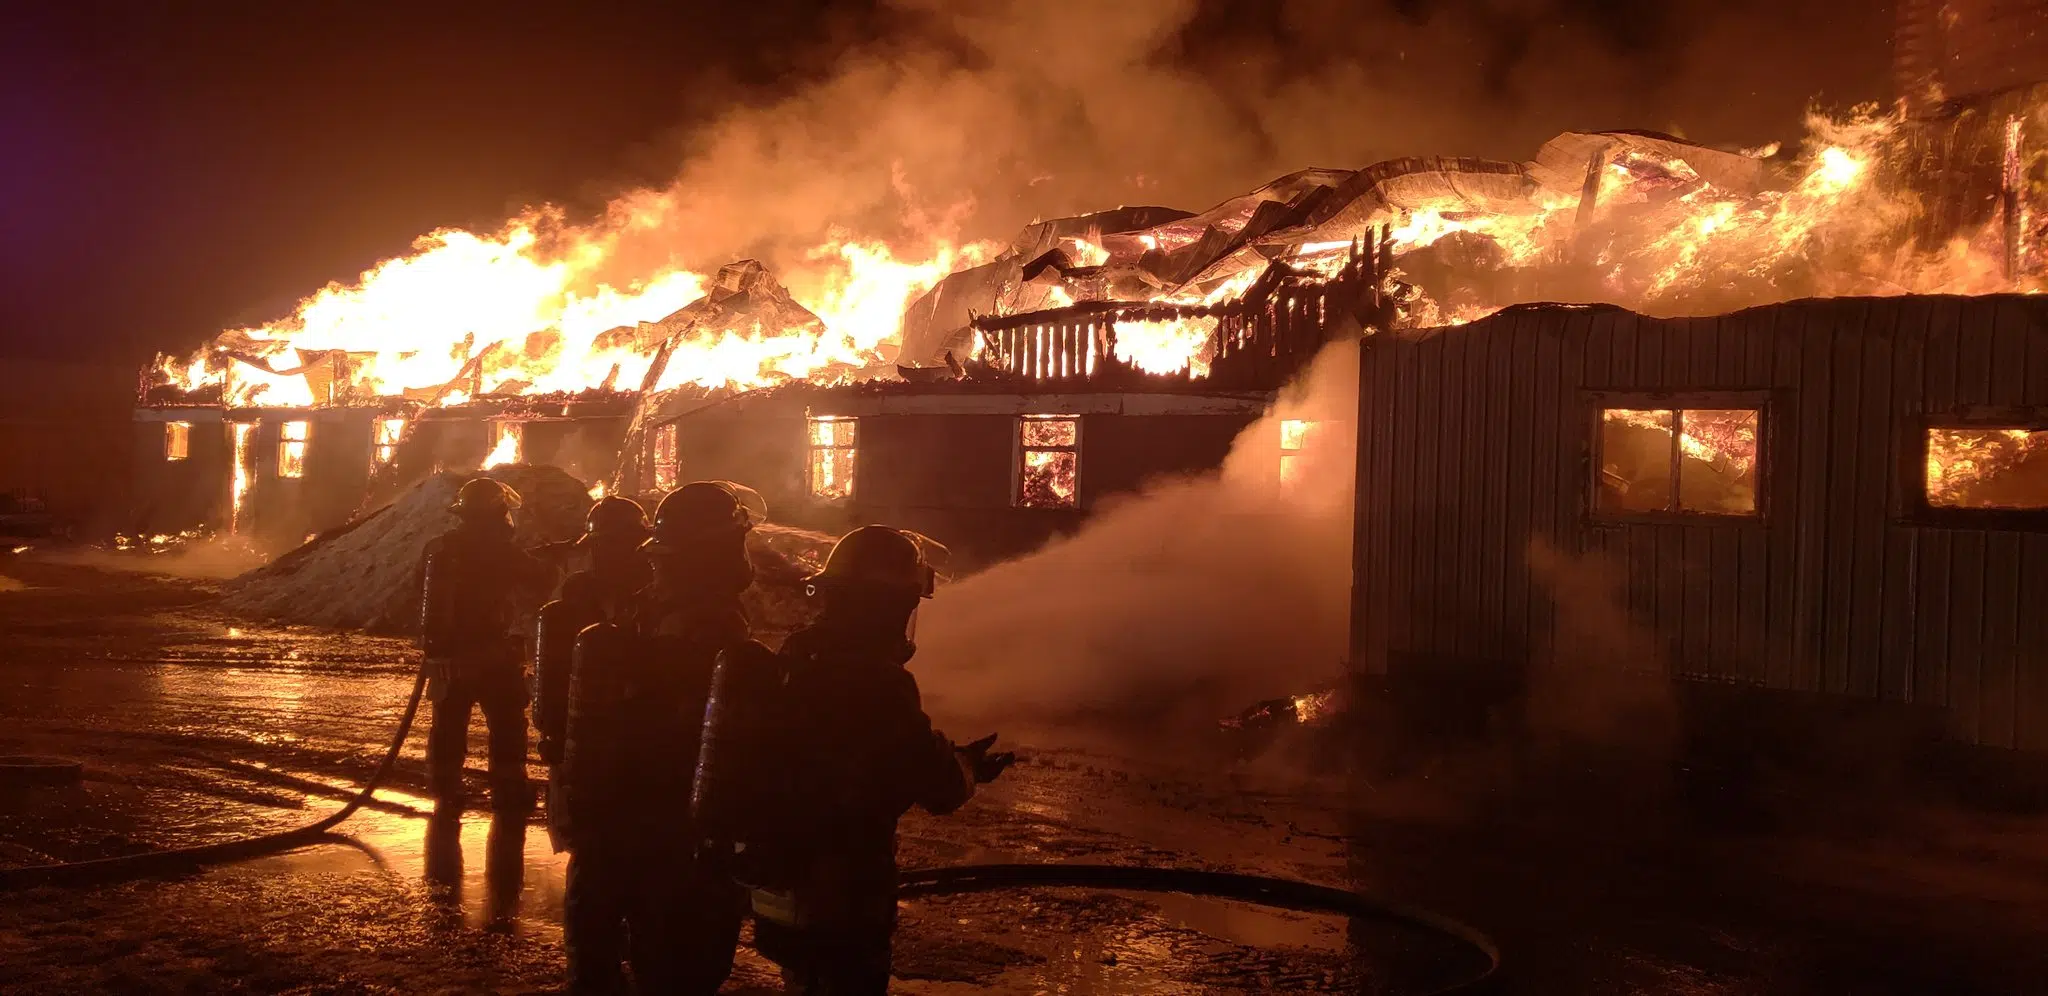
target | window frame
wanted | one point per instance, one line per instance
(378, 458)
(1597, 403)
(671, 434)
(810, 459)
(181, 431)
(1285, 453)
(1916, 510)
(305, 451)
(1018, 449)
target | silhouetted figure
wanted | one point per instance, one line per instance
(441, 858)
(859, 753)
(504, 870)
(612, 570)
(636, 702)
(475, 587)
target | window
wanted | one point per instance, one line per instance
(1294, 434)
(1049, 461)
(507, 440)
(1696, 461)
(291, 448)
(1987, 467)
(177, 440)
(384, 436)
(667, 468)
(834, 449)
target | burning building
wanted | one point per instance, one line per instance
(1800, 454)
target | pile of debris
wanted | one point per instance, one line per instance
(363, 575)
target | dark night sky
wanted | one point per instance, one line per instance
(163, 176)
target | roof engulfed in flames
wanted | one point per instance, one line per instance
(1644, 221)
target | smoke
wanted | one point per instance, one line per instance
(1194, 597)
(973, 118)
(1604, 681)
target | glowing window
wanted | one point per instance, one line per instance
(1987, 467)
(1696, 461)
(291, 448)
(507, 440)
(1294, 435)
(1049, 461)
(834, 453)
(177, 440)
(667, 467)
(384, 436)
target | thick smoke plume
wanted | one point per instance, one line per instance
(976, 117)
(1195, 597)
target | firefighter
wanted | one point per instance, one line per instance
(864, 753)
(636, 708)
(476, 586)
(612, 570)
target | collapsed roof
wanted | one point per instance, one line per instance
(1151, 253)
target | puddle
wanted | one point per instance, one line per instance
(499, 873)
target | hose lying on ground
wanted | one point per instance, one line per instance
(1279, 892)
(132, 866)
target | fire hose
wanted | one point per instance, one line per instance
(122, 868)
(918, 883)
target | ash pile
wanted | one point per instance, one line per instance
(364, 575)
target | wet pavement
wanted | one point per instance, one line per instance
(195, 728)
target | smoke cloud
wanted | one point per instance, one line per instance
(1194, 598)
(976, 117)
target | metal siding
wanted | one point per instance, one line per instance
(1932, 677)
(1428, 447)
(2030, 691)
(1550, 436)
(1867, 523)
(1495, 554)
(1519, 478)
(1816, 381)
(1899, 630)
(1441, 482)
(1836, 526)
(1754, 546)
(1400, 500)
(1386, 353)
(1787, 487)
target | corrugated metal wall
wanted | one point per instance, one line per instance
(1960, 49)
(1476, 442)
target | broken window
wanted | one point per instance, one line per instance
(1049, 464)
(384, 436)
(177, 440)
(1987, 467)
(834, 450)
(1294, 433)
(667, 468)
(507, 441)
(291, 448)
(1694, 460)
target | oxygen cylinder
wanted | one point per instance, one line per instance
(554, 647)
(592, 731)
(731, 794)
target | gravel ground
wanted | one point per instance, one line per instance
(194, 727)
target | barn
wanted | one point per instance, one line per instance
(1840, 496)
(1019, 444)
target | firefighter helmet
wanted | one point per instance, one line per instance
(613, 517)
(877, 557)
(700, 511)
(482, 496)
